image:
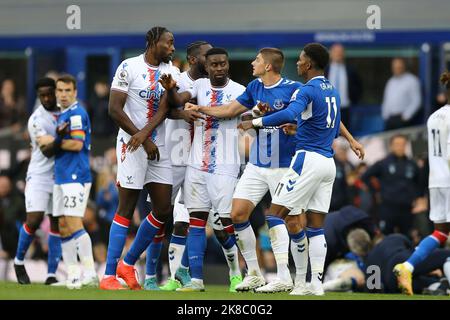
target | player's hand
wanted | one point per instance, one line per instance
(191, 106)
(245, 125)
(136, 140)
(151, 149)
(358, 149)
(167, 81)
(62, 130)
(261, 109)
(191, 116)
(289, 129)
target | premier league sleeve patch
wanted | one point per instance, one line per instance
(76, 123)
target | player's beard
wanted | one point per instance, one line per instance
(167, 58)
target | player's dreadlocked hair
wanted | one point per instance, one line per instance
(153, 35)
(193, 47)
(318, 54)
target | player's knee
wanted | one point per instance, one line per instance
(239, 216)
(34, 221)
(440, 236)
(180, 228)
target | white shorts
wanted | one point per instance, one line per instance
(178, 175)
(308, 183)
(39, 194)
(180, 213)
(440, 205)
(134, 170)
(70, 199)
(204, 191)
(256, 181)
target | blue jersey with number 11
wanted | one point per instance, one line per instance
(316, 107)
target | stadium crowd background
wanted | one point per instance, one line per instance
(412, 33)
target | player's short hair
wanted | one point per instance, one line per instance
(216, 50)
(359, 242)
(68, 78)
(153, 35)
(445, 79)
(192, 48)
(318, 54)
(275, 57)
(45, 82)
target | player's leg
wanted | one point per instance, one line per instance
(151, 262)
(250, 189)
(299, 249)
(54, 250)
(229, 247)
(26, 236)
(198, 204)
(74, 209)
(117, 236)
(131, 174)
(439, 208)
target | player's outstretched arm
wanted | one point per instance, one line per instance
(230, 110)
(117, 101)
(357, 148)
(187, 115)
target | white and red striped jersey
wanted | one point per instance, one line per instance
(215, 144)
(139, 80)
(179, 133)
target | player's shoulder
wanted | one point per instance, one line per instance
(200, 82)
(255, 83)
(235, 85)
(130, 63)
(288, 83)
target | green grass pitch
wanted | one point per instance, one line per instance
(13, 291)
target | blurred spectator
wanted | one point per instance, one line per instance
(399, 187)
(359, 194)
(98, 231)
(346, 81)
(102, 124)
(402, 97)
(13, 114)
(340, 196)
(107, 198)
(12, 212)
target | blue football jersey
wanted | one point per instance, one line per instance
(316, 107)
(271, 148)
(71, 166)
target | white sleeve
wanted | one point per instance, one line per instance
(195, 87)
(36, 129)
(122, 78)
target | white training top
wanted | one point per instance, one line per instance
(215, 145)
(438, 126)
(179, 133)
(139, 80)
(41, 123)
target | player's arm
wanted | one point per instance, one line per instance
(173, 97)
(116, 104)
(43, 143)
(357, 148)
(230, 110)
(186, 115)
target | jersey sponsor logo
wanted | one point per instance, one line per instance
(76, 123)
(150, 94)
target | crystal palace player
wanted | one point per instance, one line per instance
(214, 161)
(438, 125)
(40, 180)
(137, 106)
